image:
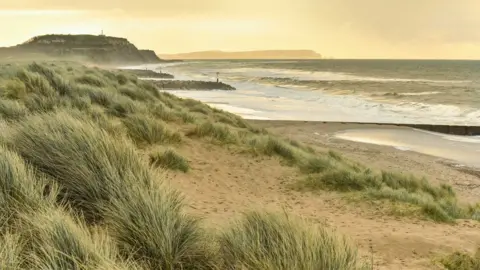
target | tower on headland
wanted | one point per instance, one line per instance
(102, 34)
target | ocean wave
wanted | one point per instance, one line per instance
(322, 76)
(428, 93)
(397, 94)
(328, 105)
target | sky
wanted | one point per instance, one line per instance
(433, 29)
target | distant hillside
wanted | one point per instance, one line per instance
(267, 54)
(98, 49)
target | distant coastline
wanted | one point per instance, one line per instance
(263, 54)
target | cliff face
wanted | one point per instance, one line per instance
(149, 56)
(268, 54)
(98, 49)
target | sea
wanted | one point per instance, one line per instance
(385, 91)
(369, 91)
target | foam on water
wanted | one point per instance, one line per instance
(288, 103)
(322, 76)
(255, 101)
(420, 93)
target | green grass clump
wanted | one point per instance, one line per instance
(40, 104)
(270, 145)
(12, 110)
(121, 106)
(272, 241)
(222, 118)
(150, 226)
(104, 178)
(36, 83)
(13, 89)
(61, 242)
(168, 99)
(121, 79)
(163, 112)
(201, 108)
(58, 83)
(217, 131)
(150, 88)
(90, 79)
(170, 159)
(186, 116)
(233, 120)
(81, 103)
(144, 129)
(100, 96)
(135, 93)
(20, 190)
(435, 202)
(82, 158)
(335, 155)
(316, 164)
(10, 251)
(461, 261)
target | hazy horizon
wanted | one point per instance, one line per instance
(343, 29)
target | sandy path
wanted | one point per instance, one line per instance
(222, 184)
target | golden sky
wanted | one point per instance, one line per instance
(339, 28)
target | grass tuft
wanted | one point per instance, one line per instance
(56, 81)
(13, 89)
(219, 132)
(20, 189)
(272, 241)
(100, 96)
(186, 116)
(40, 104)
(462, 261)
(150, 226)
(144, 129)
(36, 83)
(90, 79)
(269, 145)
(11, 248)
(12, 110)
(163, 112)
(135, 93)
(86, 161)
(169, 159)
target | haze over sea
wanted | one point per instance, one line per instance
(394, 91)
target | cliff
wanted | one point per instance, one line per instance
(98, 49)
(149, 56)
(268, 54)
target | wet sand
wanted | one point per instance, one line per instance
(459, 149)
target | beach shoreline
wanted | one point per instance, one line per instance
(322, 135)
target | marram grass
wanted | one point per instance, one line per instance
(79, 191)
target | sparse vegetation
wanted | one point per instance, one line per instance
(169, 159)
(218, 132)
(461, 261)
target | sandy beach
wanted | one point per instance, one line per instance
(219, 190)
